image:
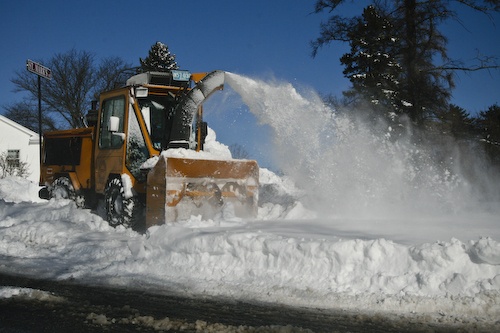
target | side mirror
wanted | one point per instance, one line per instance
(114, 125)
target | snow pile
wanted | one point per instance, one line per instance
(280, 198)
(213, 150)
(295, 262)
(486, 251)
(263, 263)
(17, 189)
(28, 293)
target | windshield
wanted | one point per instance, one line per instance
(158, 111)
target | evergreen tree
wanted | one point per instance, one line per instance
(488, 126)
(455, 121)
(371, 66)
(423, 87)
(488, 122)
(159, 59)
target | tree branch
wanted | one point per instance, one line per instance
(485, 62)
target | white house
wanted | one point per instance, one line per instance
(22, 144)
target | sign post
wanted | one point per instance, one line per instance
(45, 72)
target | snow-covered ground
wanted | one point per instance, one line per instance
(439, 264)
(279, 258)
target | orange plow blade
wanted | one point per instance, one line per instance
(180, 187)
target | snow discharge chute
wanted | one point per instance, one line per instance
(190, 107)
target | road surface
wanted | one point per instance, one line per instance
(82, 308)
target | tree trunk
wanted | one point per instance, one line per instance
(411, 62)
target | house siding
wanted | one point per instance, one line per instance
(14, 136)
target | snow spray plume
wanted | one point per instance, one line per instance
(343, 165)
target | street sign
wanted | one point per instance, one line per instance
(38, 69)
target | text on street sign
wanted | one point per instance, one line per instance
(38, 69)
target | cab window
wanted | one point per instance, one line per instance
(157, 111)
(137, 151)
(111, 107)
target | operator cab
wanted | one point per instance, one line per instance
(158, 95)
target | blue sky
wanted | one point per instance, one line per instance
(253, 38)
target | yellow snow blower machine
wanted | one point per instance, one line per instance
(123, 155)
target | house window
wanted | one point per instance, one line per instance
(13, 158)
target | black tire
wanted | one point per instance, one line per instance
(121, 210)
(62, 188)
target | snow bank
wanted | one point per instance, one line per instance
(28, 293)
(260, 263)
(295, 262)
(17, 189)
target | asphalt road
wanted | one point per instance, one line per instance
(83, 308)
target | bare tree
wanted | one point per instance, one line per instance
(25, 113)
(112, 73)
(75, 81)
(9, 167)
(238, 151)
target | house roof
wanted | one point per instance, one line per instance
(17, 126)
